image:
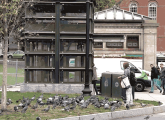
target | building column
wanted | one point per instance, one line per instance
(104, 45)
(150, 45)
(139, 42)
(125, 42)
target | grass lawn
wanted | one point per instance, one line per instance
(11, 79)
(11, 70)
(57, 112)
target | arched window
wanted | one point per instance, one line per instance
(133, 7)
(152, 10)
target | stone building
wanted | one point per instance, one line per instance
(152, 8)
(121, 32)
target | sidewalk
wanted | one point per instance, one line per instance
(145, 95)
(12, 87)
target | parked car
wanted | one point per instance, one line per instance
(116, 65)
(9, 54)
(18, 54)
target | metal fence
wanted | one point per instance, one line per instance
(15, 72)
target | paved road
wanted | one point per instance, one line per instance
(159, 116)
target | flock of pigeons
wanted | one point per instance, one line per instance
(66, 102)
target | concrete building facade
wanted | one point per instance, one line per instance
(120, 32)
(152, 8)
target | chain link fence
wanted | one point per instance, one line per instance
(15, 72)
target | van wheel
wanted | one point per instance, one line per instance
(139, 86)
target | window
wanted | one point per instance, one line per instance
(98, 45)
(133, 7)
(133, 42)
(152, 12)
(114, 45)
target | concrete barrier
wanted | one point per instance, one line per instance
(55, 88)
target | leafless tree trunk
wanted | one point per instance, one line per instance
(4, 84)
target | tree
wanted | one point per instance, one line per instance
(11, 13)
(104, 4)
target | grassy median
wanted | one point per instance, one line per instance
(57, 112)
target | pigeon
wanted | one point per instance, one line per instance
(24, 105)
(143, 105)
(56, 97)
(23, 98)
(24, 109)
(87, 102)
(1, 111)
(33, 98)
(97, 105)
(82, 101)
(117, 105)
(20, 105)
(35, 106)
(123, 98)
(38, 118)
(106, 106)
(93, 97)
(67, 108)
(41, 104)
(72, 107)
(9, 100)
(120, 102)
(18, 100)
(7, 103)
(106, 98)
(64, 105)
(16, 108)
(127, 107)
(28, 102)
(50, 98)
(46, 109)
(159, 103)
(147, 117)
(39, 100)
(41, 96)
(113, 108)
(65, 98)
(54, 106)
(84, 105)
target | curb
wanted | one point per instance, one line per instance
(119, 114)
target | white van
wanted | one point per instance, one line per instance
(116, 65)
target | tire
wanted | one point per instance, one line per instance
(139, 87)
(23, 57)
(10, 57)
